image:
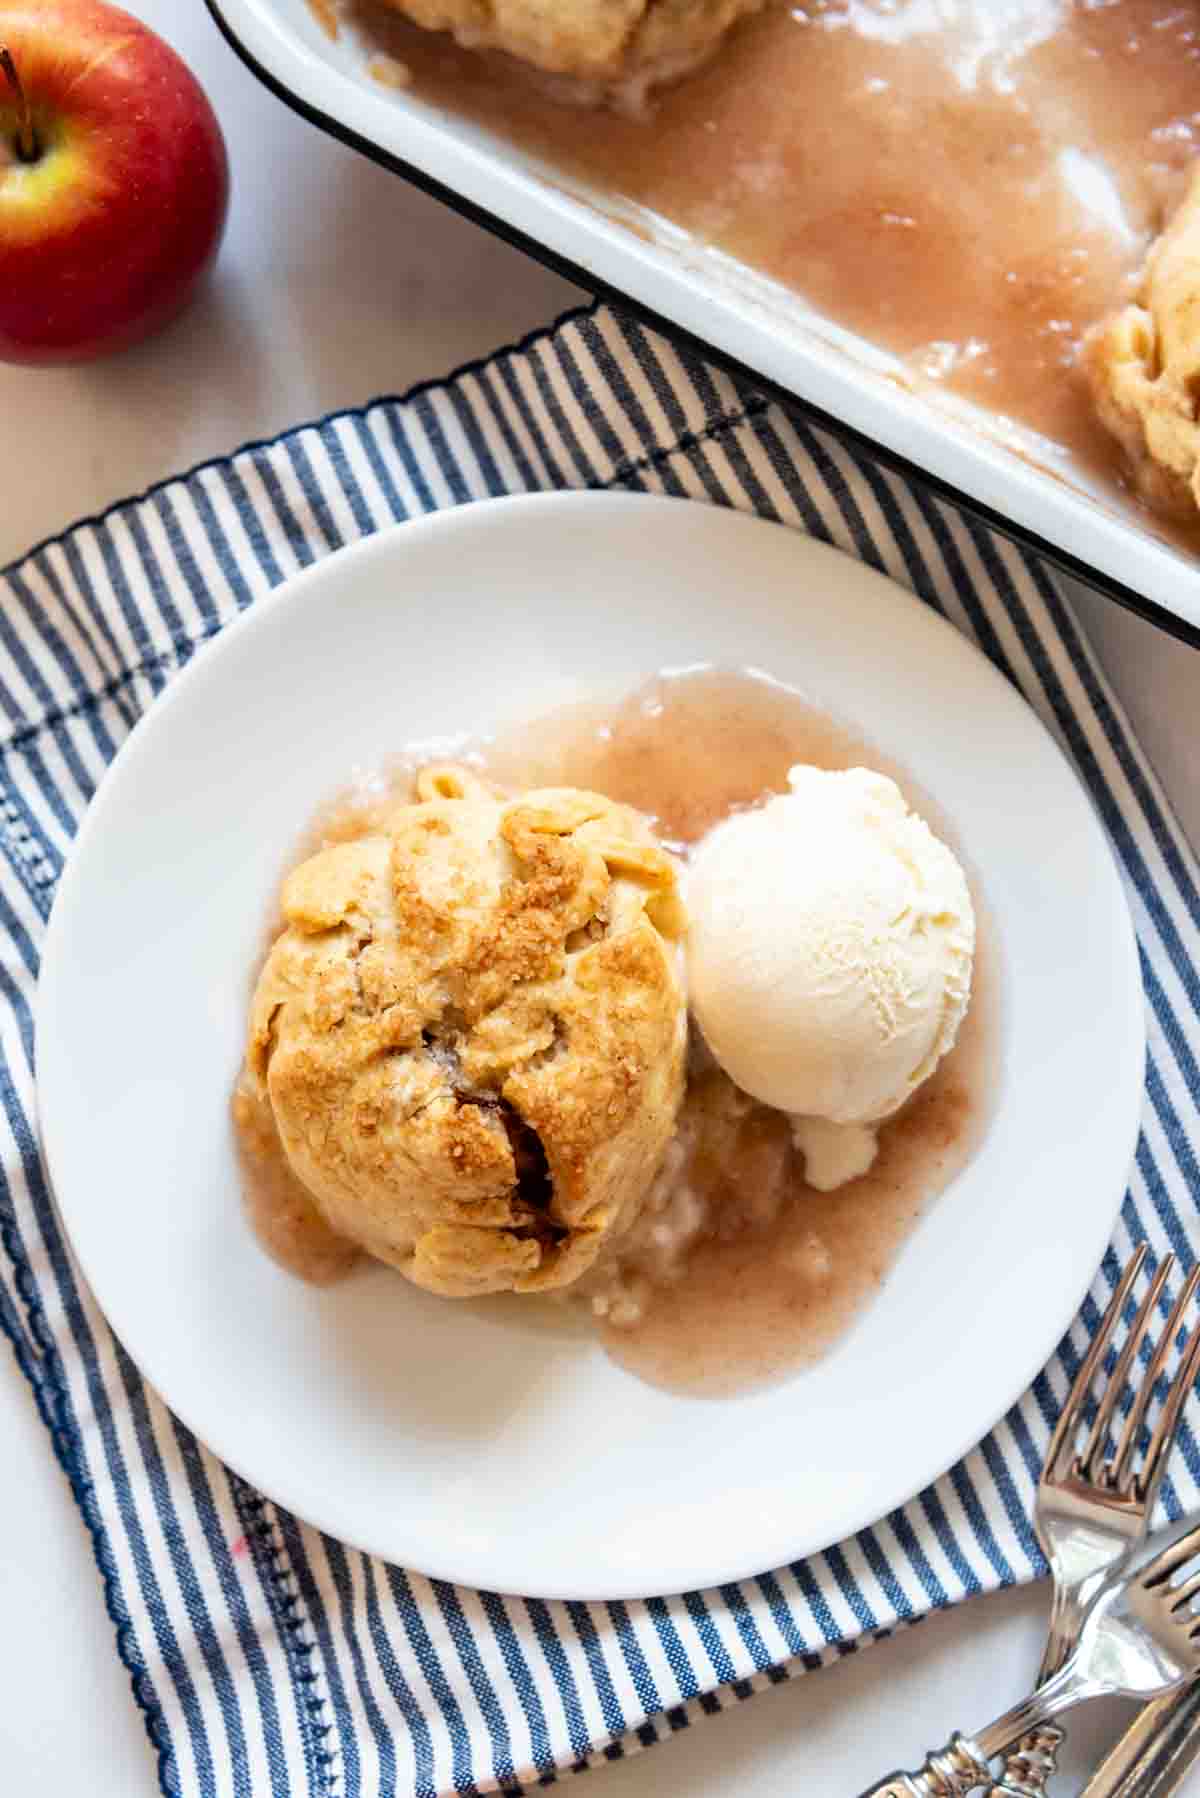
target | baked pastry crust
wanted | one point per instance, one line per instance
(608, 42)
(1143, 367)
(471, 1032)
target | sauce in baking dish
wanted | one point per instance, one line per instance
(967, 183)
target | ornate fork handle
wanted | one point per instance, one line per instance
(962, 1765)
(959, 1768)
(1029, 1768)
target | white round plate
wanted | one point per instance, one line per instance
(466, 1441)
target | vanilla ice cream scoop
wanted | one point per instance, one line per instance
(829, 952)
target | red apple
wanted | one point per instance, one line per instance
(114, 182)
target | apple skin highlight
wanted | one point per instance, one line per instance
(106, 234)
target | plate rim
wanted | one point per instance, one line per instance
(471, 1568)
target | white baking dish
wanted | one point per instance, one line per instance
(738, 318)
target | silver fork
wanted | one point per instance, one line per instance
(1139, 1638)
(1092, 1508)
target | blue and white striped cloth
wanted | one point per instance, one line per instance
(269, 1659)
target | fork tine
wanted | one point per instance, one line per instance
(1145, 1391)
(1089, 1460)
(1183, 1593)
(1059, 1453)
(1150, 1478)
(1171, 1558)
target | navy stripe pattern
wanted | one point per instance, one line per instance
(268, 1659)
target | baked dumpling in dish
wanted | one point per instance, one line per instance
(471, 1032)
(635, 44)
(1143, 365)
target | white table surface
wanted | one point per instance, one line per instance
(338, 283)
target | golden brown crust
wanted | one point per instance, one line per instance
(609, 42)
(1143, 367)
(470, 1032)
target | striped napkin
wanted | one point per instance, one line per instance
(267, 1658)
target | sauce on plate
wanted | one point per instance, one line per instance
(739, 1271)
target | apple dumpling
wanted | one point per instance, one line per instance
(626, 46)
(1143, 366)
(470, 1032)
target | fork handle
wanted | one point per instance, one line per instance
(957, 1769)
(962, 1765)
(1156, 1753)
(1027, 1771)
(1029, 1767)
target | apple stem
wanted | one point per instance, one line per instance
(27, 144)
